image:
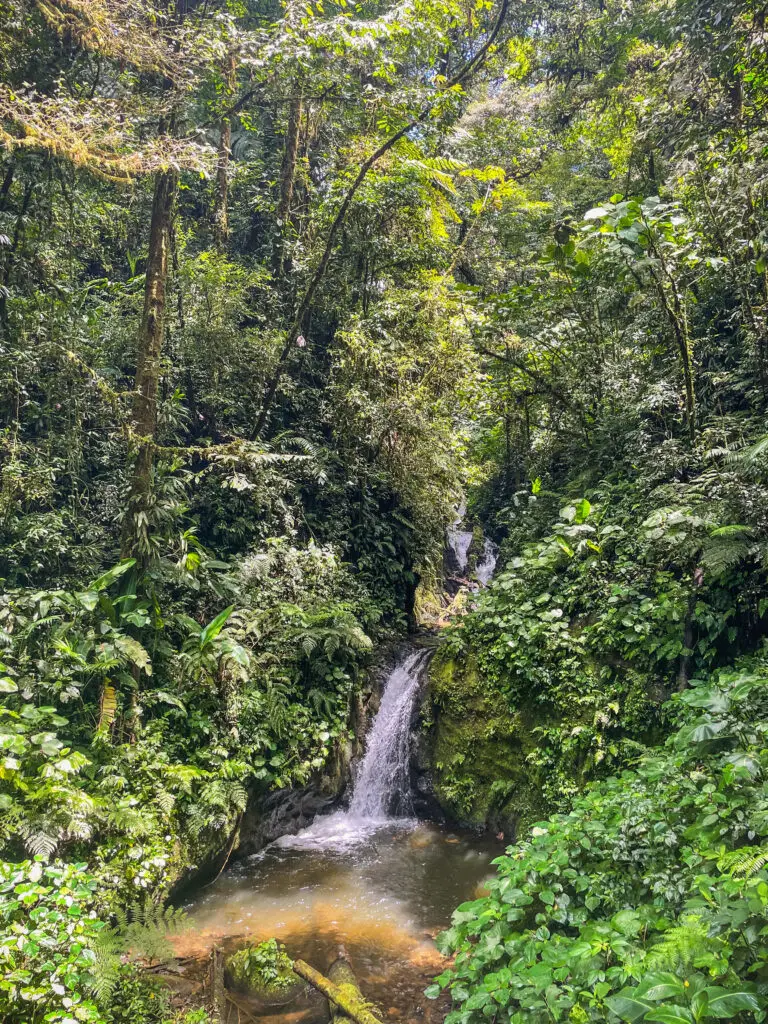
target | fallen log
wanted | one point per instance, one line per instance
(346, 996)
(341, 973)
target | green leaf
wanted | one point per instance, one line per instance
(625, 1004)
(88, 599)
(627, 922)
(169, 698)
(671, 1015)
(112, 574)
(583, 509)
(723, 1004)
(134, 652)
(215, 626)
(8, 686)
(663, 985)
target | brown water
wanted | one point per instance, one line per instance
(379, 891)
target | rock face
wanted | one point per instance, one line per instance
(468, 760)
(426, 803)
(282, 813)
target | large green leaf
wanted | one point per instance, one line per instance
(662, 985)
(671, 1014)
(215, 626)
(724, 1004)
(628, 1006)
(109, 577)
(134, 652)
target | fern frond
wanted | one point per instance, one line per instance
(680, 946)
(744, 862)
(750, 458)
(41, 844)
(724, 553)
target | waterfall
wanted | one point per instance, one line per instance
(486, 566)
(382, 786)
(381, 792)
(459, 541)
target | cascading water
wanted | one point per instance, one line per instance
(382, 784)
(487, 565)
(371, 880)
(381, 792)
(460, 541)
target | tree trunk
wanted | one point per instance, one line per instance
(287, 180)
(135, 529)
(221, 192)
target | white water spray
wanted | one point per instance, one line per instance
(460, 541)
(382, 786)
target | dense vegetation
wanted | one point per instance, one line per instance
(280, 282)
(621, 457)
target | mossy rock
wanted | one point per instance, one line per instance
(478, 747)
(264, 973)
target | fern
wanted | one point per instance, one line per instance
(324, 704)
(105, 973)
(277, 708)
(165, 800)
(680, 946)
(142, 931)
(745, 862)
(39, 843)
(129, 820)
(725, 551)
(750, 458)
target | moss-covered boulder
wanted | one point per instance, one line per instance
(264, 973)
(477, 749)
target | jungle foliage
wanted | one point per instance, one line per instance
(619, 304)
(279, 281)
(230, 354)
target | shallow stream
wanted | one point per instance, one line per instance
(378, 892)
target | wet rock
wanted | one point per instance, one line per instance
(284, 812)
(180, 986)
